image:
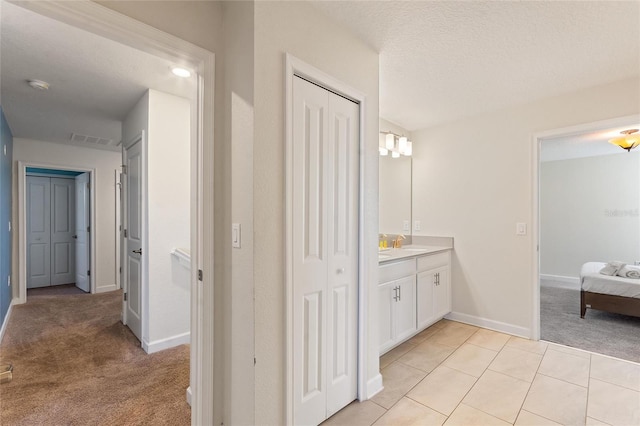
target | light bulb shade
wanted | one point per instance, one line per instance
(395, 154)
(408, 151)
(383, 151)
(390, 141)
(402, 144)
(630, 140)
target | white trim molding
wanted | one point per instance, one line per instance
(297, 67)
(490, 324)
(166, 343)
(559, 281)
(6, 320)
(374, 386)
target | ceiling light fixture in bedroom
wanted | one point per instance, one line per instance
(630, 140)
(38, 84)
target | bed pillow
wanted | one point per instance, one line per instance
(629, 272)
(612, 268)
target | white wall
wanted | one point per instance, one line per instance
(395, 186)
(235, 169)
(589, 212)
(299, 29)
(105, 163)
(476, 192)
(166, 297)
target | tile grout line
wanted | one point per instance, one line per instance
(586, 406)
(531, 384)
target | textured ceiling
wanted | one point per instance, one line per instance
(444, 60)
(94, 81)
(590, 144)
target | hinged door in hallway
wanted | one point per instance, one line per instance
(325, 251)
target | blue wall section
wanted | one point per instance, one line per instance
(6, 179)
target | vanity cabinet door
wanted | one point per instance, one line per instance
(396, 311)
(385, 315)
(405, 308)
(441, 292)
(425, 304)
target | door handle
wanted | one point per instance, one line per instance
(139, 251)
(74, 236)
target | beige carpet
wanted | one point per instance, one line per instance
(76, 364)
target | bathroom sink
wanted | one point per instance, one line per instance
(414, 249)
(382, 256)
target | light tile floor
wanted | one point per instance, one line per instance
(457, 374)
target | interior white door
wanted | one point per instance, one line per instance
(38, 231)
(63, 213)
(133, 236)
(82, 232)
(325, 258)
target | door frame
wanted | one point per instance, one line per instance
(537, 140)
(296, 67)
(97, 19)
(22, 221)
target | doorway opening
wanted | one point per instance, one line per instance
(58, 228)
(100, 21)
(587, 199)
(56, 210)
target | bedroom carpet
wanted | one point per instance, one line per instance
(75, 363)
(601, 332)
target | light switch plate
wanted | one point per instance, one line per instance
(521, 229)
(235, 235)
(406, 226)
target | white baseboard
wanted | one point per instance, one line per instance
(374, 386)
(6, 321)
(169, 342)
(502, 327)
(107, 288)
(560, 281)
(189, 395)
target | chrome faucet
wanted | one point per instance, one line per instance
(397, 242)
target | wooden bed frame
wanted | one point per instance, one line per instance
(607, 302)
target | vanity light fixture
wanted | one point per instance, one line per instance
(629, 140)
(390, 141)
(396, 144)
(181, 72)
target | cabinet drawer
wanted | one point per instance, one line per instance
(433, 261)
(393, 271)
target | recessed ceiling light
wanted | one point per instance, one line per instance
(181, 72)
(38, 84)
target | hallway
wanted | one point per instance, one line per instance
(75, 363)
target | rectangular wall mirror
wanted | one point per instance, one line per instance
(395, 195)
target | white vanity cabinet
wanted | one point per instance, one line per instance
(413, 294)
(396, 303)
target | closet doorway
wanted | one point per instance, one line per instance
(55, 227)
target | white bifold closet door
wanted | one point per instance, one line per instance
(325, 251)
(50, 231)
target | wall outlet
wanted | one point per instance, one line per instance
(521, 229)
(406, 226)
(637, 262)
(417, 225)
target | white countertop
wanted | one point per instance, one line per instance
(391, 254)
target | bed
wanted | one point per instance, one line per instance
(608, 293)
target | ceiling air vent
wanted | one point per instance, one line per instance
(93, 140)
